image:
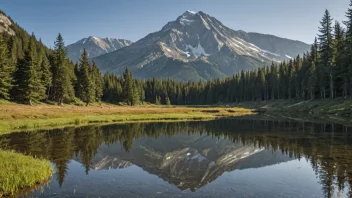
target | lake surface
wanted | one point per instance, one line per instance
(243, 157)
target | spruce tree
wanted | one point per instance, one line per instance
(135, 95)
(348, 52)
(46, 76)
(312, 78)
(273, 80)
(128, 87)
(157, 100)
(85, 81)
(98, 82)
(167, 101)
(30, 87)
(63, 73)
(340, 70)
(326, 47)
(6, 71)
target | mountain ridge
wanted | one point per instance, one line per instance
(197, 46)
(95, 46)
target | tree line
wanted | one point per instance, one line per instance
(30, 73)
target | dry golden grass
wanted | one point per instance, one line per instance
(15, 117)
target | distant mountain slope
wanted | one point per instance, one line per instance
(95, 46)
(197, 46)
(282, 46)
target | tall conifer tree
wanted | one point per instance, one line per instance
(6, 71)
(326, 47)
(348, 52)
(62, 73)
(85, 80)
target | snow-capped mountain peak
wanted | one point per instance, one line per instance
(191, 12)
(198, 43)
(95, 46)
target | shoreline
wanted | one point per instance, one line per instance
(338, 106)
(19, 117)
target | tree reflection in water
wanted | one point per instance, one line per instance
(327, 146)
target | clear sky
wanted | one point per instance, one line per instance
(134, 19)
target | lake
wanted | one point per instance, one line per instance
(252, 156)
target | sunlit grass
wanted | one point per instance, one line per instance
(338, 106)
(17, 117)
(19, 172)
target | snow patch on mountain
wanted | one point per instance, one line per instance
(288, 56)
(255, 49)
(197, 51)
(186, 21)
(267, 52)
(191, 12)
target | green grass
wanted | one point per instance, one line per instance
(16, 117)
(338, 106)
(19, 172)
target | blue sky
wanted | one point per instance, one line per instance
(132, 19)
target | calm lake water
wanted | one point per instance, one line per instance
(242, 157)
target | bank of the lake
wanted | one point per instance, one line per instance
(339, 106)
(18, 117)
(20, 172)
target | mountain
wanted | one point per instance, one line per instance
(5, 25)
(95, 46)
(190, 161)
(196, 46)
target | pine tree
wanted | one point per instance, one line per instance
(157, 100)
(86, 91)
(273, 80)
(47, 76)
(340, 71)
(348, 52)
(128, 87)
(30, 87)
(260, 84)
(283, 73)
(312, 78)
(98, 82)
(167, 101)
(327, 53)
(291, 77)
(63, 73)
(6, 70)
(135, 95)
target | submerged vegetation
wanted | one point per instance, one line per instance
(19, 172)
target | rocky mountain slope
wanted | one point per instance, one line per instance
(95, 46)
(196, 46)
(5, 25)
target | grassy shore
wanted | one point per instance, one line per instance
(19, 172)
(17, 117)
(339, 106)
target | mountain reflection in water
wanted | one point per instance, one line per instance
(191, 155)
